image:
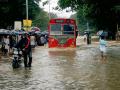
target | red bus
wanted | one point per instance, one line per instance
(62, 32)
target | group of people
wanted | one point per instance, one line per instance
(102, 42)
(23, 42)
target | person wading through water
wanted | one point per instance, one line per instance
(24, 45)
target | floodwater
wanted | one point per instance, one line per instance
(64, 69)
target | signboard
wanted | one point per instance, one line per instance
(27, 23)
(59, 21)
(17, 25)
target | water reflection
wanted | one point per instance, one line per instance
(65, 55)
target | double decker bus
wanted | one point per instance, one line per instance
(62, 33)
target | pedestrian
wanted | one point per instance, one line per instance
(32, 39)
(12, 43)
(84, 37)
(3, 46)
(103, 45)
(118, 35)
(24, 45)
(6, 41)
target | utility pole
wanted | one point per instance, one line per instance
(27, 9)
(49, 10)
(27, 23)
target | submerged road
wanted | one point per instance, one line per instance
(64, 69)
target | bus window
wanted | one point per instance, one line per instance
(68, 29)
(55, 29)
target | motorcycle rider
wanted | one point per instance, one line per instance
(24, 45)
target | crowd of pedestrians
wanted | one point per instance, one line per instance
(24, 42)
(102, 42)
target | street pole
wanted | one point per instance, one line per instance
(49, 9)
(27, 9)
(27, 13)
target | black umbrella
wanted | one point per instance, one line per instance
(17, 32)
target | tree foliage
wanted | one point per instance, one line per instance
(104, 14)
(41, 20)
(15, 10)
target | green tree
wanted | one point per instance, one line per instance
(41, 20)
(104, 14)
(14, 10)
(52, 15)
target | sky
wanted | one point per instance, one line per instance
(53, 3)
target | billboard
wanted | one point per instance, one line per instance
(27, 23)
(17, 25)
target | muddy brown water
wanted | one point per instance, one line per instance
(64, 69)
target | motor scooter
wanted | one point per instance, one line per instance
(17, 58)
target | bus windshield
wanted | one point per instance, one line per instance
(68, 29)
(55, 29)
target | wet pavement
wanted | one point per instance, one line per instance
(65, 69)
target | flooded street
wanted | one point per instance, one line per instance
(64, 69)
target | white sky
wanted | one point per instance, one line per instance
(53, 3)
